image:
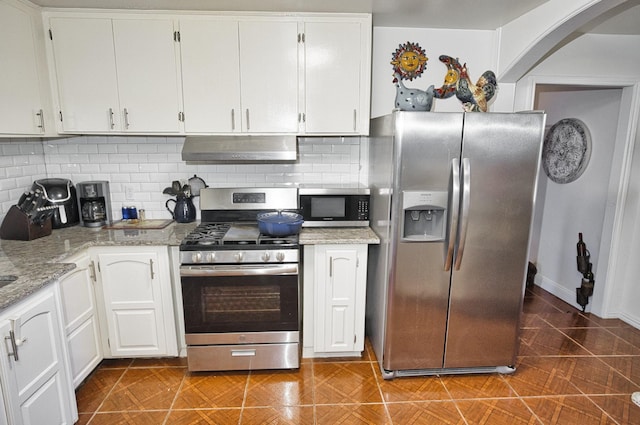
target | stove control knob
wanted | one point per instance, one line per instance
(210, 257)
(266, 256)
(196, 257)
(280, 256)
(239, 257)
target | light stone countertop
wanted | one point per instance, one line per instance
(40, 262)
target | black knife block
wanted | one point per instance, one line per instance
(17, 226)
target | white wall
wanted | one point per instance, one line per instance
(476, 48)
(579, 206)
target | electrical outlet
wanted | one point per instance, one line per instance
(128, 193)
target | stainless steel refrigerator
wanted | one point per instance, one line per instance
(452, 199)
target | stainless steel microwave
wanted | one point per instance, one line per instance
(334, 207)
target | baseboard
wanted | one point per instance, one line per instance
(631, 320)
(559, 291)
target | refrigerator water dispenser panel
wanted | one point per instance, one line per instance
(424, 216)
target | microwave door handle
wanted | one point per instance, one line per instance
(454, 206)
(464, 210)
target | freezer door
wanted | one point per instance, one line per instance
(501, 153)
(418, 292)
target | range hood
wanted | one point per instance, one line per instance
(239, 148)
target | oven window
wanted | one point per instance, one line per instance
(240, 303)
(327, 207)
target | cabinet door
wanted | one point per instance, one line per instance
(269, 76)
(333, 77)
(20, 103)
(137, 303)
(37, 387)
(147, 75)
(210, 75)
(86, 74)
(339, 293)
(80, 319)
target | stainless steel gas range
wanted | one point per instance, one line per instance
(240, 288)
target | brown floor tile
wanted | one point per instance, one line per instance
(601, 342)
(202, 416)
(129, 418)
(425, 413)
(497, 412)
(541, 376)
(619, 407)
(573, 368)
(413, 388)
(293, 415)
(477, 386)
(211, 390)
(628, 366)
(352, 414)
(97, 386)
(345, 383)
(568, 410)
(144, 389)
(281, 388)
(593, 376)
(549, 342)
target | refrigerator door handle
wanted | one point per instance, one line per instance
(454, 209)
(464, 209)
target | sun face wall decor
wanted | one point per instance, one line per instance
(409, 61)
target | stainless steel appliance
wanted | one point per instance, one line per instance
(452, 202)
(334, 206)
(59, 193)
(240, 288)
(94, 201)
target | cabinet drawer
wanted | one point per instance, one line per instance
(244, 357)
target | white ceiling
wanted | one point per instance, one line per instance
(455, 14)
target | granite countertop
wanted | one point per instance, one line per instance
(338, 235)
(42, 261)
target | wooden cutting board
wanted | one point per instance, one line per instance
(154, 223)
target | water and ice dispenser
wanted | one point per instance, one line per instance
(424, 215)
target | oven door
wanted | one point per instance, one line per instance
(230, 304)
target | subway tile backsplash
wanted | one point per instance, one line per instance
(144, 166)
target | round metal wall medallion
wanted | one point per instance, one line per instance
(566, 150)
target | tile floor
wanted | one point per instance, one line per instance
(573, 368)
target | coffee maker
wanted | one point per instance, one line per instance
(94, 202)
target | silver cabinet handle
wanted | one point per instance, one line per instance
(233, 119)
(464, 209)
(151, 266)
(40, 115)
(454, 206)
(14, 347)
(355, 120)
(248, 122)
(111, 123)
(92, 271)
(243, 353)
(330, 266)
(126, 118)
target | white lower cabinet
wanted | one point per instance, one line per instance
(136, 304)
(80, 318)
(35, 379)
(334, 294)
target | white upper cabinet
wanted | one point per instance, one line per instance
(269, 76)
(22, 106)
(210, 75)
(337, 77)
(116, 75)
(239, 76)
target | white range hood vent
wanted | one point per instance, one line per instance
(211, 149)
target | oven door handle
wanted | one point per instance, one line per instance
(240, 270)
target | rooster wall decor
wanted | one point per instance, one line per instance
(409, 61)
(474, 97)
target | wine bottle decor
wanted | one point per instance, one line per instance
(584, 266)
